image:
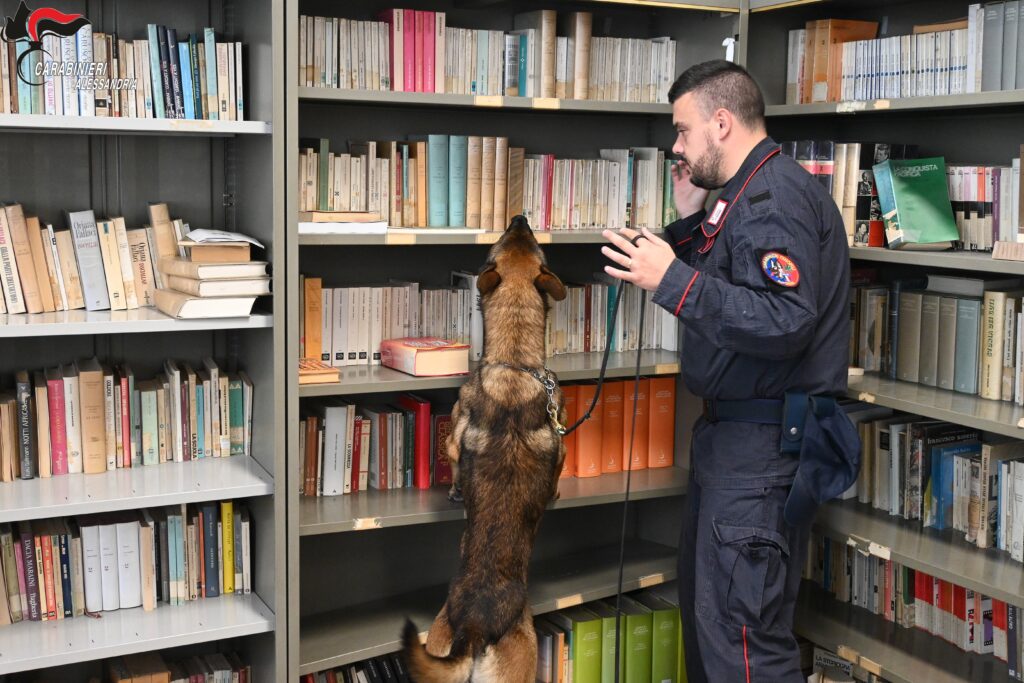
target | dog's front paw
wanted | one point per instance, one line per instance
(558, 494)
(455, 494)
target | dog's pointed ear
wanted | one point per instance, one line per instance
(488, 279)
(549, 282)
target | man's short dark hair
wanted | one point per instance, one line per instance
(720, 84)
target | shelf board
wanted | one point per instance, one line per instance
(44, 644)
(356, 633)
(998, 417)
(899, 655)
(129, 489)
(943, 554)
(425, 236)
(938, 103)
(981, 262)
(421, 99)
(400, 507)
(109, 125)
(144, 319)
(367, 379)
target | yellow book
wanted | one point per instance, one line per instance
(228, 543)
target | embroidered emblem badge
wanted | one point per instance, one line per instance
(780, 269)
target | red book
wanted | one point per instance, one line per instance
(442, 467)
(421, 441)
(409, 50)
(44, 551)
(126, 423)
(357, 447)
(999, 629)
(428, 50)
(58, 425)
(418, 50)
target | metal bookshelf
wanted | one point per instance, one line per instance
(978, 262)
(940, 103)
(446, 237)
(137, 487)
(899, 655)
(139, 320)
(998, 417)
(355, 633)
(100, 125)
(215, 174)
(367, 510)
(569, 367)
(43, 644)
(943, 554)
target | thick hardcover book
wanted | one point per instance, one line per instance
(914, 198)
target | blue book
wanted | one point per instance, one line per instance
(172, 557)
(175, 72)
(210, 557)
(943, 480)
(965, 367)
(457, 155)
(437, 180)
(524, 87)
(197, 82)
(155, 73)
(25, 98)
(188, 96)
(200, 421)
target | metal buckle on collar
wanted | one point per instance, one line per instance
(547, 380)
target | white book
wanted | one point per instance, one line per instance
(326, 323)
(214, 406)
(174, 377)
(92, 566)
(72, 419)
(339, 327)
(376, 323)
(83, 43)
(87, 245)
(110, 419)
(336, 429)
(129, 566)
(109, 566)
(352, 345)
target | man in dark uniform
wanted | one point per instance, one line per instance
(760, 282)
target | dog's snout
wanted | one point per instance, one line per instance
(519, 223)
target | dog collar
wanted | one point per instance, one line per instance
(548, 381)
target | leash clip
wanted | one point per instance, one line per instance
(549, 384)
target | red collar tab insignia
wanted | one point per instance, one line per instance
(716, 213)
(780, 269)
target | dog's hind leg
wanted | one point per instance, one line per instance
(513, 659)
(439, 638)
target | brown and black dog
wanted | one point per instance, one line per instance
(506, 459)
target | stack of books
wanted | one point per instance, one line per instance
(212, 276)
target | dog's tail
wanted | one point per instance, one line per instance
(426, 668)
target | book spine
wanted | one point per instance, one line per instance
(26, 429)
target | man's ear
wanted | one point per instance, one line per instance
(723, 121)
(549, 282)
(488, 279)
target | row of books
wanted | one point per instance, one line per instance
(88, 417)
(845, 170)
(346, 325)
(944, 331)
(99, 74)
(415, 51)
(62, 568)
(986, 204)
(348, 447)
(152, 667)
(832, 60)
(576, 644)
(481, 182)
(911, 598)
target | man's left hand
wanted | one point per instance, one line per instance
(644, 263)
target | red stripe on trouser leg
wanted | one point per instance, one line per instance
(746, 656)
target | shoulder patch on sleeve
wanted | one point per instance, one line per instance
(780, 269)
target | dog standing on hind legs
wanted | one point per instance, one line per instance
(506, 457)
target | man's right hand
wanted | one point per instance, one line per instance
(688, 197)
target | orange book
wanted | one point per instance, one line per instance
(662, 429)
(590, 433)
(569, 394)
(829, 32)
(640, 444)
(313, 300)
(611, 443)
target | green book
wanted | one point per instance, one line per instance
(236, 416)
(637, 622)
(607, 614)
(586, 628)
(665, 630)
(914, 197)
